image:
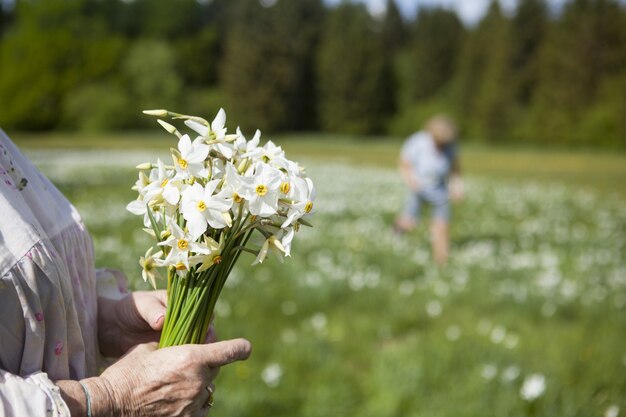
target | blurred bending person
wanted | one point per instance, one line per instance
(430, 168)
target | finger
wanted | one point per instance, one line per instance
(222, 353)
(151, 307)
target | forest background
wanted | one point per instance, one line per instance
(533, 75)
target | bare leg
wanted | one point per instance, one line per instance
(440, 240)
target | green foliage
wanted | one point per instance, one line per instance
(413, 118)
(434, 52)
(484, 85)
(98, 107)
(267, 67)
(354, 79)
(394, 30)
(50, 50)
(197, 57)
(149, 73)
(580, 53)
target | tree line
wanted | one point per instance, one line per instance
(283, 65)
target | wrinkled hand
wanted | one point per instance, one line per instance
(166, 382)
(135, 319)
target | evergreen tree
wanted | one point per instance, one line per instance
(266, 71)
(582, 50)
(354, 76)
(484, 80)
(528, 30)
(434, 52)
(393, 31)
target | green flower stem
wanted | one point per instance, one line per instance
(192, 298)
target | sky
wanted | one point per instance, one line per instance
(470, 11)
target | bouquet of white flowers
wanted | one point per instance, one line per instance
(203, 210)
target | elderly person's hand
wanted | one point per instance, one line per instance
(173, 381)
(135, 319)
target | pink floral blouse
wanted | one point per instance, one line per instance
(48, 291)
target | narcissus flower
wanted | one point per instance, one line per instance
(201, 207)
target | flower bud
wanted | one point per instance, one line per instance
(170, 128)
(145, 165)
(157, 113)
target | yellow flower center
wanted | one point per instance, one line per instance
(296, 227)
(285, 187)
(217, 259)
(201, 205)
(182, 163)
(180, 266)
(261, 190)
(237, 198)
(183, 244)
(164, 183)
(308, 207)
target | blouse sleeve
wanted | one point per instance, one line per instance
(33, 395)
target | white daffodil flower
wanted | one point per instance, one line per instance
(142, 182)
(217, 168)
(303, 196)
(271, 243)
(216, 134)
(149, 266)
(209, 259)
(218, 124)
(262, 190)
(286, 239)
(163, 186)
(269, 154)
(200, 206)
(140, 208)
(190, 162)
(181, 246)
(247, 147)
(233, 187)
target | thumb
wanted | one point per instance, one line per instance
(222, 353)
(152, 308)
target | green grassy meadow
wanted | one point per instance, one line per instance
(527, 319)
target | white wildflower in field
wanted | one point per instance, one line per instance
(453, 333)
(510, 373)
(434, 308)
(498, 334)
(533, 387)
(489, 371)
(612, 411)
(319, 321)
(272, 374)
